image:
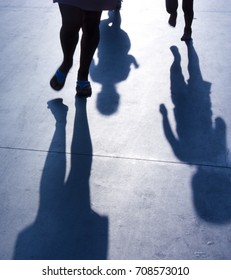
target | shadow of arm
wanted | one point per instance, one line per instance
(174, 143)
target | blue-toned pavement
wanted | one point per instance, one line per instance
(142, 169)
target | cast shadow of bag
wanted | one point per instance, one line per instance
(66, 227)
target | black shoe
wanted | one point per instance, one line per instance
(57, 82)
(83, 92)
(172, 19)
(187, 36)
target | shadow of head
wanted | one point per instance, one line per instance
(212, 195)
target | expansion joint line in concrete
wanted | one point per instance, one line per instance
(157, 161)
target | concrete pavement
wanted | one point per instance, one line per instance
(142, 169)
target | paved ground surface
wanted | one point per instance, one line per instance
(142, 170)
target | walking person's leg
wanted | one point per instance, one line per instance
(119, 5)
(187, 6)
(171, 7)
(69, 36)
(89, 43)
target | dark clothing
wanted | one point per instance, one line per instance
(90, 5)
(74, 19)
(187, 6)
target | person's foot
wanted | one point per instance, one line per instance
(83, 89)
(172, 19)
(57, 82)
(187, 36)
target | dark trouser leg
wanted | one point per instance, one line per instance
(69, 34)
(187, 7)
(89, 42)
(171, 7)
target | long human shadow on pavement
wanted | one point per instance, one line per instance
(114, 63)
(66, 228)
(200, 142)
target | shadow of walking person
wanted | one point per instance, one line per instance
(199, 141)
(66, 227)
(114, 63)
